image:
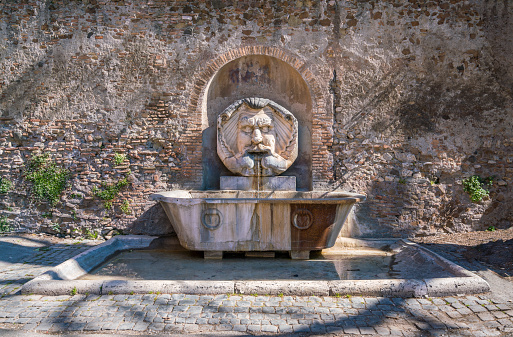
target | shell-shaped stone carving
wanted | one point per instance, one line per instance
(257, 136)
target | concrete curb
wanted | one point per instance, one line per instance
(298, 288)
(61, 287)
(382, 288)
(61, 280)
(465, 281)
(168, 287)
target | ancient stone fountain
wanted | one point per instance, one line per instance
(257, 209)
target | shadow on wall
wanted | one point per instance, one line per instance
(153, 221)
(438, 123)
(499, 214)
(498, 28)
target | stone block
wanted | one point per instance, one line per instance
(281, 183)
(213, 255)
(300, 254)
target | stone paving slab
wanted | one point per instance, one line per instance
(238, 315)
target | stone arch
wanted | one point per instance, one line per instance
(198, 120)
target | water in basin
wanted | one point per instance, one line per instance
(189, 265)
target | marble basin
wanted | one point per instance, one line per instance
(257, 220)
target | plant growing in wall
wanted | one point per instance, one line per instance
(109, 192)
(125, 207)
(56, 227)
(48, 179)
(5, 185)
(474, 186)
(91, 235)
(5, 225)
(119, 158)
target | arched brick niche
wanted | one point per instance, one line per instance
(258, 72)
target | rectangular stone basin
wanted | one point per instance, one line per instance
(257, 220)
(391, 267)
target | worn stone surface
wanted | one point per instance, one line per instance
(400, 100)
(240, 221)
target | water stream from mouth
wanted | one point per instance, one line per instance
(258, 158)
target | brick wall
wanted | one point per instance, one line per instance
(409, 98)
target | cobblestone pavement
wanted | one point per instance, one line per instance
(282, 315)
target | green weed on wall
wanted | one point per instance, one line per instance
(109, 192)
(5, 225)
(5, 185)
(48, 179)
(474, 186)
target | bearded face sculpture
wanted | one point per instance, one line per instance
(257, 136)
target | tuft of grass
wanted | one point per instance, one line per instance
(91, 235)
(107, 205)
(125, 207)
(73, 291)
(5, 185)
(119, 158)
(42, 249)
(56, 227)
(5, 225)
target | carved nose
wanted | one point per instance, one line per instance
(257, 136)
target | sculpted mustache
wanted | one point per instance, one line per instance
(258, 147)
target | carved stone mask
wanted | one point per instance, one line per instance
(257, 136)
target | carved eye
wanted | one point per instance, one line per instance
(265, 129)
